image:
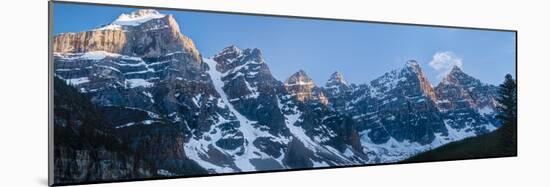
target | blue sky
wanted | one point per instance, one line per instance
(361, 51)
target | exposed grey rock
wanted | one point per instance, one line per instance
(152, 38)
(400, 105)
(181, 114)
(468, 104)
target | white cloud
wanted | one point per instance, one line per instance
(443, 62)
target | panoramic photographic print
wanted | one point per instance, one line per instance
(141, 93)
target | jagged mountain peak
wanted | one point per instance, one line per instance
(303, 88)
(456, 69)
(232, 57)
(335, 79)
(470, 103)
(142, 33)
(424, 84)
(254, 52)
(142, 13)
(299, 82)
(299, 78)
(240, 101)
(230, 50)
(458, 77)
(410, 74)
(301, 72)
(137, 17)
(413, 66)
(144, 20)
(411, 69)
(231, 53)
(412, 63)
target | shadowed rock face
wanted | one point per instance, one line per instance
(400, 105)
(476, 94)
(250, 86)
(467, 103)
(336, 83)
(181, 114)
(88, 148)
(150, 80)
(425, 85)
(120, 63)
(85, 146)
(338, 91)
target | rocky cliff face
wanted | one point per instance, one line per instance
(151, 83)
(270, 130)
(180, 114)
(96, 40)
(86, 147)
(336, 84)
(400, 114)
(476, 93)
(250, 87)
(338, 91)
(467, 103)
(398, 105)
(120, 63)
(150, 38)
(300, 86)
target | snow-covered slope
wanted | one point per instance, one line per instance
(137, 17)
(400, 114)
(244, 155)
(228, 113)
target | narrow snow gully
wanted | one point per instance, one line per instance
(249, 132)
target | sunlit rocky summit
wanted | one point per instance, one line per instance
(177, 113)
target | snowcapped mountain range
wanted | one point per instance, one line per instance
(227, 113)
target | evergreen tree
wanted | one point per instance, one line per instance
(507, 99)
(507, 114)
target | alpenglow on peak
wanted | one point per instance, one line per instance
(300, 78)
(137, 17)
